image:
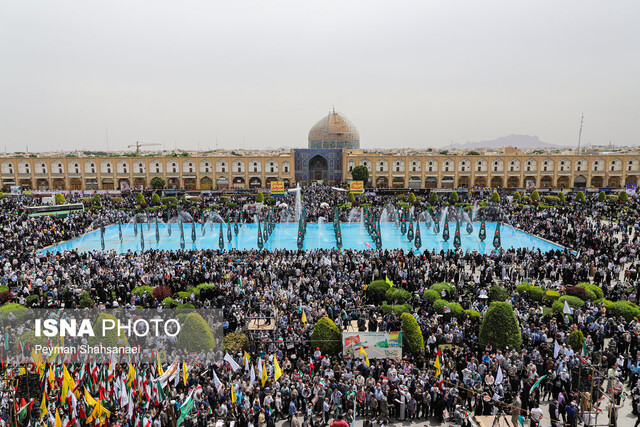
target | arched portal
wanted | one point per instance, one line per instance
(318, 168)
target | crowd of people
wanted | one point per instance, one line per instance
(310, 385)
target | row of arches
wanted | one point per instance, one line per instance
(139, 167)
(546, 181)
(498, 165)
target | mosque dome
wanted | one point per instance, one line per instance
(334, 131)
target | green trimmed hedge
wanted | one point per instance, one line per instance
(395, 295)
(431, 295)
(498, 293)
(575, 340)
(574, 302)
(235, 342)
(592, 291)
(377, 291)
(327, 336)
(196, 335)
(446, 286)
(396, 309)
(412, 339)
(552, 296)
(140, 290)
(500, 327)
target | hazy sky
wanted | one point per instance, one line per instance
(408, 74)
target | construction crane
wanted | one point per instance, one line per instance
(138, 145)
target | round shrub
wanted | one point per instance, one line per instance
(498, 293)
(19, 311)
(472, 314)
(579, 292)
(624, 309)
(377, 290)
(235, 342)
(169, 302)
(552, 296)
(32, 300)
(5, 297)
(431, 295)
(412, 339)
(111, 337)
(141, 290)
(500, 327)
(161, 292)
(597, 291)
(327, 336)
(438, 305)
(196, 335)
(523, 287)
(574, 302)
(185, 307)
(85, 300)
(456, 309)
(536, 293)
(446, 286)
(395, 295)
(575, 340)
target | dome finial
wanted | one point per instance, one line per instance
(333, 107)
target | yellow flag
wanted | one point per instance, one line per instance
(58, 420)
(69, 382)
(132, 375)
(51, 377)
(264, 374)
(437, 365)
(277, 372)
(389, 282)
(246, 357)
(366, 358)
(43, 406)
(233, 394)
(88, 398)
(160, 370)
(185, 375)
(304, 317)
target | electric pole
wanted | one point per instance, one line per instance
(580, 132)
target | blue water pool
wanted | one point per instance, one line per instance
(284, 237)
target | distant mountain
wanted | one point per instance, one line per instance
(518, 141)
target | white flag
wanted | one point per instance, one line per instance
(253, 375)
(260, 367)
(556, 349)
(567, 309)
(216, 381)
(233, 363)
(499, 376)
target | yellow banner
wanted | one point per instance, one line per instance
(357, 186)
(277, 187)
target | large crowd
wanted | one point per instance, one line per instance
(295, 289)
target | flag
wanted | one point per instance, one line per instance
(389, 282)
(58, 420)
(233, 394)
(161, 395)
(160, 370)
(304, 317)
(537, 384)
(567, 309)
(556, 349)
(437, 365)
(264, 375)
(252, 375)
(277, 372)
(23, 410)
(132, 375)
(366, 357)
(43, 406)
(186, 406)
(233, 363)
(499, 375)
(216, 381)
(185, 375)
(6, 340)
(584, 348)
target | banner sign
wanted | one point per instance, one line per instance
(631, 189)
(357, 186)
(377, 345)
(277, 188)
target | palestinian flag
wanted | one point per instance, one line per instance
(23, 410)
(537, 384)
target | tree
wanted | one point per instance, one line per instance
(535, 196)
(260, 197)
(412, 197)
(453, 197)
(433, 198)
(602, 197)
(60, 199)
(575, 340)
(500, 327)
(155, 199)
(235, 342)
(623, 196)
(580, 197)
(412, 339)
(140, 199)
(562, 197)
(327, 336)
(157, 182)
(517, 197)
(473, 153)
(351, 198)
(360, 173)
(196, 335)
(96, 200)
(377, 291)
(495, 197)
